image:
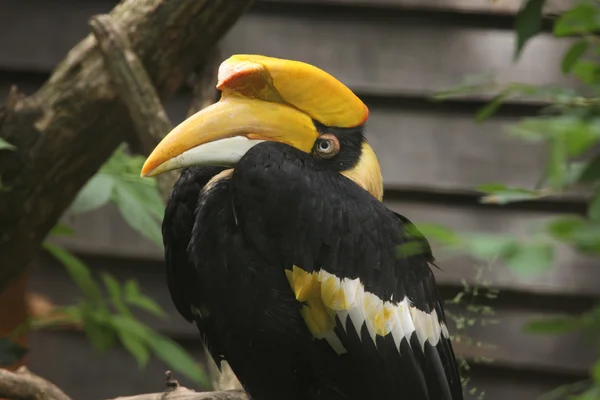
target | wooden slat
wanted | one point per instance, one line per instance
(431, 149)
(64, 358)
(36, 34)
(567, 354)
(386, 56)
(68, 360)
(503, 7)
(104, 232)
(426, 149)
(399, 55)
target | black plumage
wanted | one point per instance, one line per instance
(229, 243)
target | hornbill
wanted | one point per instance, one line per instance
(279, 248)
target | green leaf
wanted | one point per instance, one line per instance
(131, 207)
(528, 24)
(486, 247)
(4, 145)
(136, 346)
(531, 258)
(587, 72)
(10, 352)
(573, 54)
(563, 228)
(553, 326)
(177, 358)
(591, 171)
(78, 271)
(96, 193)
(579, 20)
(134, 297)
(489, 109)
(114, 292)
(596, 371)
(594, 207)
(510, 195)
(97, 328)
(61, 230)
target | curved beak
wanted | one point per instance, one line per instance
(263, 98)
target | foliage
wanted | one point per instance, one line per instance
(137, 199)
(105, 311)
(568, 126)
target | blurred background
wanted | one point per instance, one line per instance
(395, 54)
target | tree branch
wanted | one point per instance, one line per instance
(25, 385)
(182, 393)
(67, 129)
(136, 91)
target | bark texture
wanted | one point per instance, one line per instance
(68, 128)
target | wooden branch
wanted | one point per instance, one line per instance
(174, 391)
(71, 125)
(136, 91)
(25, 385)
(182, 393)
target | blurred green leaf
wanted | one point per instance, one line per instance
(61, 230)
(502, 194)
(596, 371)
(563, 228)
(177, 358)
(10, 352)
(582, 19)
(487, 247)
(436, 232)
(136, 346)
(114, 292)
(97, 328)
(587, 72)
(134, 297)
(531, 258)
(591, 171)
(555, 325)
(96, 193)
(128, 201)
(4, 145)
(594, 207)
(78, 271)
(528, 23)
(573, 54)
(167, 350)
(489, 109)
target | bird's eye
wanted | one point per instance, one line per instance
(327, 146)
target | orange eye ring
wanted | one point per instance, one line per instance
(326, 146)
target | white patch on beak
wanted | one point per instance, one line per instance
(223, 153)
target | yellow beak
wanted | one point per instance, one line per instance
(263, 98)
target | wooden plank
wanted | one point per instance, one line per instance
(408, 55)
(64, 358)
(68, 360)
(399, 54)
(428, 149)
(104, 232)
(37, 34)
(502, 7)
(432, 149)
(512, 347)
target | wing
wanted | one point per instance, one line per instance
(391, 313)
(177, 230)
(339, 246)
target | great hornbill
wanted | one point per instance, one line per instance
(280, 249)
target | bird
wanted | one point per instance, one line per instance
(279, 247)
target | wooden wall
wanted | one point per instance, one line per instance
(394, 54)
